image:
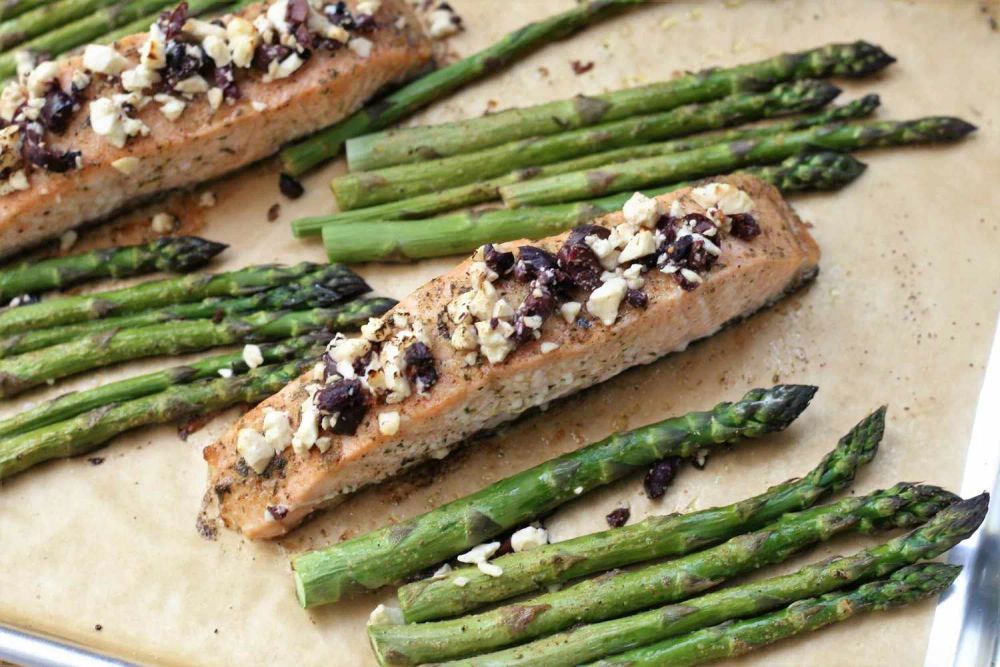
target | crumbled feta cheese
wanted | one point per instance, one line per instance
(388, 423)
(604, 301)
(153, 52)
(375, 329)
(633, 276)
(368, 7)
(11, 100)
(207, 199)
(349, 349)
(640, 245)
(239, 27)
(502, 310)
(18, 181)
(215, 97)
(605, 249)
(386, 615)
(323, 444)
(104, 60)
(361, 46)
(170, 106)
(139, 79)
(193, 85)
(287, 67)
(529, 537)
(252, 356)
(24, 62)
(464, 338)
(276, 15)
(68, 240)
(548, 346)
(442, 24)
(203, 30)
(691, 276)
(258, 106)
(40, 78)
(490, 569)
(461, 582)
(570, 310)
(226, 372)
(308, 432)
(641, 210)
(728, 198)
(337, 34)
(254, 449)
(495, 343)
(480, 553)
(441, 572)
(106, 121)
(215, 48)
(578, 490)
(277, 429)
(126, 165)
(533, 321)
(163, 223)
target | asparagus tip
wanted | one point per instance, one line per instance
(780, 405)
(870, 59)
(185, 253)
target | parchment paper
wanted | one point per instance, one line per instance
(901, 313)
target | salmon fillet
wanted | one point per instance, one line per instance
(749, 275)
(201, 144)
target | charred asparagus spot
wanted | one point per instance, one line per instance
(176, 254)
(367, 188)
(464, 232)
(389, 554)
(409, 145)
(619, 593)
(326, 144)
(31, 369)
(450, 199)
(90, 430)
(656, 537)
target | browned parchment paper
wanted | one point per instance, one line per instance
(902, 313)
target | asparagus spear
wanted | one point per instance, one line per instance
(178, 254)
(905, 586)
(43, 19)
(367, 188)
(152, 294)
(618, 593)
(386, 555)
(12, 8)
(463, 232)
(89, 430)
(81, 31)
(412, 144)
(326, 144)
(588, 642)
(141, 24)
(325, 287)
(76, 403)
(723, 157)
(450, 199)
(656, 537)
(25, 371)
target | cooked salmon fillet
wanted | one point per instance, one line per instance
(748, 276)
(202, 144)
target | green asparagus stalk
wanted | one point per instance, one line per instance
(92, 429)
(383, 556)
(43, 19)
(81, 31)
(477, 193)
(725, 157)
(463, 232)
(904, 587)
(657, 537)
(618, 593)
(153, 294)
(303, 156)
(949, 527)
(11, 8)
(75, 403)
(177, 254)
(141, 24)
(327, 286)
(418, 143)
(368, 188)
(25, 371)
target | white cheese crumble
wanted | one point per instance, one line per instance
(441, 24)
(529, 537)
(640, 245)
(480, 553)
(170, 106)
(214, 97)
(68, 240)
(258, 106)
(139, 79)
(254, 449)
(461, 582)
(40, 78)
(386, 615)
(104, 60)
(226, 372)
(570, 310)
(548, 346)
(308, 432)
(604, 301)
(163, 223)
(728, 198)
(641, 210)
(193, 85)
(495, 343)
(252, 356)
(388, 423)
(207, 199)
(441, 572)
(361, 46)
(126, 165)
(578, 490)
(277, 429)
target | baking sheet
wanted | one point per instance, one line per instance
(903, 312)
